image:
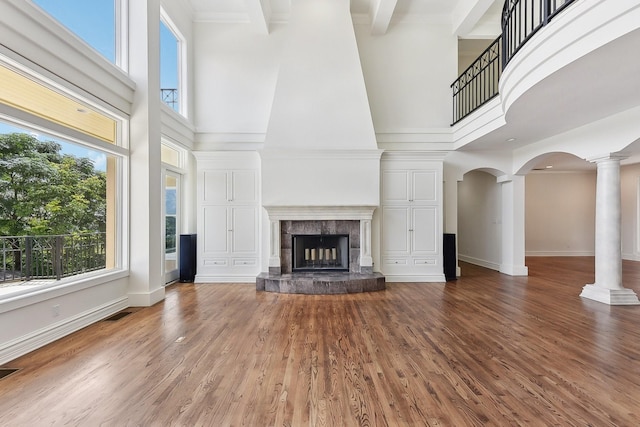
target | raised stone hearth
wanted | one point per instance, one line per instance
(320, 283)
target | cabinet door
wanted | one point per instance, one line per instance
(423, 186)
(215, 229)
(395, 230)
(244, 220)
(395, 186)
(245, 188)
(215, 187)
(424, 228)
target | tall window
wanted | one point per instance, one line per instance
(93, 21)
(60, 175)
(171, 66)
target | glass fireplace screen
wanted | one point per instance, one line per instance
(320, 252)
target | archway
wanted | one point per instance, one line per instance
(480, 218)
(560, 197)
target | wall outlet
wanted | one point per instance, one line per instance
(55, 310)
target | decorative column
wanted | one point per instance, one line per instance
(366, 260)
(513, 235)
(275, 264)
(608, 287)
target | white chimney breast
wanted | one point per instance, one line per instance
(320, 100)
(320, 149)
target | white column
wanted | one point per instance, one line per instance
(513, 236)
(146, 279)
(608, 284)
(275, 265)
(366, 260)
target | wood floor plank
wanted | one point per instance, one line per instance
(487, 349)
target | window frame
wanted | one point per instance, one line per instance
(181, 62)
(120, 32)
(118, 150)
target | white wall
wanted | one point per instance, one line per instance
(235, 72)
(630, 187)
(480, 220)
(408, 73)
(30, 322)
(560, 214)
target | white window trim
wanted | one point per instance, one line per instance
(182, 62)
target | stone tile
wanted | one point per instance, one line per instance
(320, 283)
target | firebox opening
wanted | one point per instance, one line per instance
(320, 252)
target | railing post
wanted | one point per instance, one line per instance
(57, 256)
(546, 11)
(28, 256)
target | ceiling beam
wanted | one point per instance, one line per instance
(381, 17)
(259, 12)
(467, 13)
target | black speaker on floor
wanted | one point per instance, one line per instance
(449, 256)
(188, 257)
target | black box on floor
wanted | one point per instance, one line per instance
(449, 256)
(187, 257)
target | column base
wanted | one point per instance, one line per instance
(610, 296)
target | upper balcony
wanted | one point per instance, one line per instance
(558, 65)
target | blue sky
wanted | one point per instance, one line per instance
(94, 22)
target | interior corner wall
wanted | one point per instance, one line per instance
(235, 73)
(480, 220)
(630, 188)
(408, 73)
(560, 214)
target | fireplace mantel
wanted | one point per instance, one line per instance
(303, 213)
(364, 214)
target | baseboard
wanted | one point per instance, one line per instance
(480, 262)
(209, 278)
(399, 278)
(146, 299)
(560, 253)
(514, 270)
(631, 257)
(25, 344)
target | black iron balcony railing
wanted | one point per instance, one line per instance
(170, 97)
(521, 19)
(25, 258)
(478, 84)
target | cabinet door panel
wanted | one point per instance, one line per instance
(215, 230)
(395, 226)
(424, 186)
(395, 186)
(424, 227)
(214, 185)
(245, 232)
(244, 187)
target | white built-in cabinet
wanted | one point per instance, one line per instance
(411, 217)
(228, 217)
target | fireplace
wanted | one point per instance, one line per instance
(297, 237)
(320, 252)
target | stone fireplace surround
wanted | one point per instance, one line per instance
(352, 220)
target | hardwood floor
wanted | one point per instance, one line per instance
(487, 349)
